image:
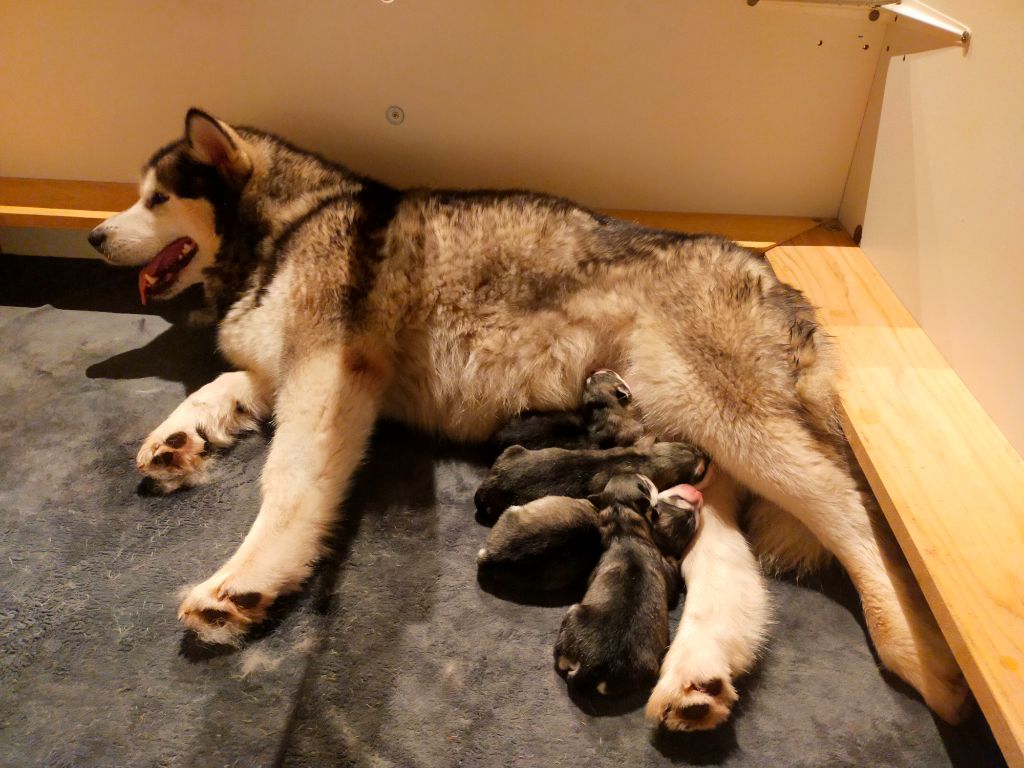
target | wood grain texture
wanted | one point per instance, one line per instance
(950, 484)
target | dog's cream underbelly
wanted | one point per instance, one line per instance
(465, 377)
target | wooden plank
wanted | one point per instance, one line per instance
(950, 484)
(57, 218)
(75, 195)
(756, 232)
(84, 204)
(61, 204)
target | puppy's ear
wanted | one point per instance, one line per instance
(214, 142)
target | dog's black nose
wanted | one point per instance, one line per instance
(96, 238)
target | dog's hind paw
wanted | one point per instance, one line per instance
(174, 459)
(219, 613)
(686, 705)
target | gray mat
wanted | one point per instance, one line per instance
(393, 656)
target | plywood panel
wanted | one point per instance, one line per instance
(950, 484)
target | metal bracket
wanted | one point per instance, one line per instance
(911, 9)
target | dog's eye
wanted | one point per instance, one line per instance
(157, 198)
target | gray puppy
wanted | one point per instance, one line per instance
(521, 475)
(606, 418)
(549, 544)
(613, 641)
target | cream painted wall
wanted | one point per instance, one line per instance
(938, 183)
(690, 105)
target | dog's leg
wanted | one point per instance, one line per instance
(781, 542)
(325, 412)
(723, 624)
(176, 453)
(818, 484)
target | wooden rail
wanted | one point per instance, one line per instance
(62, 204)
(950, 484)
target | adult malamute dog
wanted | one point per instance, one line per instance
(340, 299)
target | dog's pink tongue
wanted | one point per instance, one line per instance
(685, 492)
(158, 267)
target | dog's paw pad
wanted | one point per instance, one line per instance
(220, 615)
(691, 706)
(174, 460)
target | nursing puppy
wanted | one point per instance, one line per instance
(521, 475)
(549, 544)
(606, 418)
(613, 641)
(675, 519)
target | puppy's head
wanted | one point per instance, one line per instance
(605, 388)
(189, 190)
(675, 518)
(632, 492)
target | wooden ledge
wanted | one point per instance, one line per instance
(62, 204)
(84, 204)
(949, 483)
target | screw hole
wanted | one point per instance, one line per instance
(821, 43)
(875, 13)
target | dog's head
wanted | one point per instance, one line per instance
(188, 190)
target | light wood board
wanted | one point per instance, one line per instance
(756, 232)
(61, 204)
(66, 204)
(950, 484)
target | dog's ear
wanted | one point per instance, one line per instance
(214, 142)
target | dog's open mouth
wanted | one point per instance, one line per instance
(163, 269)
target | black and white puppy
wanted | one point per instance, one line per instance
(549, 544)
(521, 475)
(613, 641)
(606, 418)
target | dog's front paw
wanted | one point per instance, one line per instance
(220, 611)
(174, 458)
(681, 704)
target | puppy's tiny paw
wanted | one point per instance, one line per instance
(174, 458)
(700, 705)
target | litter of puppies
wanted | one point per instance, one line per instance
(575, 501)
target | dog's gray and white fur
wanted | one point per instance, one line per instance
(340, 299)
(521, 475)
(606, 418)
(545, 545)
(613, 640)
